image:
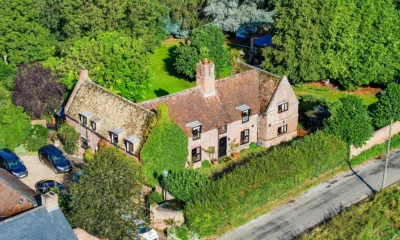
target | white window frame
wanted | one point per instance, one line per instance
(282, 129)
(127, 147)
(93, 125)
(198, 130)
(245, 115)
(245, 134)
(112, 138)
(83, 120)
(283, 107)
(198, 153)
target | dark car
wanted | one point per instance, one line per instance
(45, 186)
(12, 163)
(55, 158)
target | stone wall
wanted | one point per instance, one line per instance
(380, 136)
(163, 218)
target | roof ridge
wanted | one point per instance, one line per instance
(259, 69)
(21, 214)
(118, 96)
(170, 95)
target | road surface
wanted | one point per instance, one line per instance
(320, 202)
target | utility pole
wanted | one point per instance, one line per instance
(387, 155)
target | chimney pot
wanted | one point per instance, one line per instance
(50, 201)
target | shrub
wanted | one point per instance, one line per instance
(388, 106)
(235, 55)
(265, 177)
(37, 139)
(14, 126)
(181, 233)
(185, 184)
(68, 137)
(88, 155)
(253, 145)
(206, 164)
(165, 148)
(154, 197)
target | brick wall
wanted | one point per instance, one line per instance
(380, 136)
(211, 138)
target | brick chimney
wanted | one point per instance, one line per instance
(50, 201)
(83, 74)
(205, 77)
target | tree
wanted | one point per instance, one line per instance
(230, 15)
(14, 126)
(105, 201)
(165, 148)
(350, 121)
(207, 42)
(6, 83)
(136, 18)
(298, 40)
(187, 11)
(22, 38)
(37, 90)
(117, 62)
(388, 106)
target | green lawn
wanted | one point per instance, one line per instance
(331, 95)
(166, 79)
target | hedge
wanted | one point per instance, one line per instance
(185, 184)
(69, 137)
(165, 148)
(266, 177)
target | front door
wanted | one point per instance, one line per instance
(222, 147)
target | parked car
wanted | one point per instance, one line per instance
(45, 186)
(54, 158)
(12, 163)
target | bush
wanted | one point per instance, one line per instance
(89, 156)
(68, 137)
(185, 184)
(165, 148)
(154, 197)
(235, 55)
(181, 233)
(37, 139)
(265, 177)
(206, 164)
(253, 145)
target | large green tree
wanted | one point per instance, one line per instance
(187, 11)
(350, 121)
(108, 190)
(388, 106)
(14, 126)
(205, 42)
(117, 62)
(165, 148)
(298, 40)
(22, 37)
(136, 18)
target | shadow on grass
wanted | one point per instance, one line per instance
(161, 92)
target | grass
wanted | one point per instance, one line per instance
(331, 94)
(375, 218)
(166, 80)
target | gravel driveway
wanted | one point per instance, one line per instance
(37, 171)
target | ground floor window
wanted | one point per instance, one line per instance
(84, 143)
(129, 147)
(196, 154)
(282, 129)
(244, 137)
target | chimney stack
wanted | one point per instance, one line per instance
(83, 74)
(50, 201)
(205, 77)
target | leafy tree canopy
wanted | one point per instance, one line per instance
(117, 62)
(165, 148)
(108, 190)
(388, 106)
(350, 121)
(14, 126)
(355, 42)
(37, 90)
(187, 11)
(205, 42)
(230, 15)
(22, 37)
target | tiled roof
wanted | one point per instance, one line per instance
(38, 223)
(248, 86)
(15, 196)
(113, 110)
(217, 110)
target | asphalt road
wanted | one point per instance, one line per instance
(320, 202)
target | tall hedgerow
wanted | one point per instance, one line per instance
(227, 200)
(184, 185)
(165, 148)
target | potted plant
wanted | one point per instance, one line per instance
(211, 152)
(233, 146)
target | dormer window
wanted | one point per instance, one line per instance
(84, 116)
(130, 144)
(245, 112)
(196, 132)
(245, 115)
(115, 135)
(283, 107)
(93, 125)
(196, 129)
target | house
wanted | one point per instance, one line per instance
(27, 215)
(100, 115)
(251, 105)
